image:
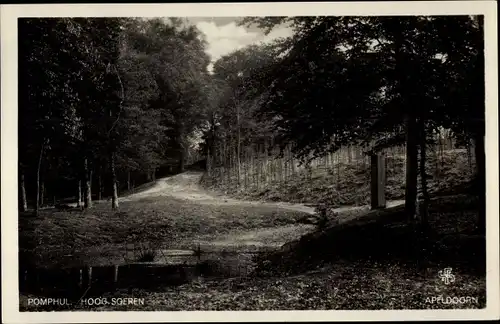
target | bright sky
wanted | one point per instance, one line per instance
(225, 36)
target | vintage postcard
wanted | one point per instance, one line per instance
(249, 162)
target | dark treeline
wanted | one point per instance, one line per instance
(103, 101)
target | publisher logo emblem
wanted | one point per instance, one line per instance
(446, 276)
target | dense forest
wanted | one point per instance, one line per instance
(107, 104)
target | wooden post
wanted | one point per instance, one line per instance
(378, 178)
(115, 277)
(90, 276)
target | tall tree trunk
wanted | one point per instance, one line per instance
(182, 149)
(87, 202)
(211, 148)
(480, 180)
(225, 164)
(114, 198)
(128, 180)
(411, 167)
(238, 145)
(24, 202)
(208, 164)
(424, 210)
(42, 192)
(91, 174)
(406, 92)
(266, 162)
(181, 160)
(79, 201)
(99, 180)
(245, 169)
(37, 206)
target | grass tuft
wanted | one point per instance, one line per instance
(146, 253)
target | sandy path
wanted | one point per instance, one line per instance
(186, 186)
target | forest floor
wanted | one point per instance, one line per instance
(312, 268)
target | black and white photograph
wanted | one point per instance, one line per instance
(279, 162)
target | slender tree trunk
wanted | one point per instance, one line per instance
(42, 192)
(87, 202)
(99, 180)
(37, 207)
(257, 161)
(24, 202)
(280, 169)
(225, 159)
(266, 158)
(480, 180)
(424, 210)
(182, 149)
(211, 149)
(128, 180)
(114, 198)
(79, 201)
(245, 169)
(252, 166)
(91, 174)
(238, 144)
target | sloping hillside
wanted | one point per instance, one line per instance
(349, 183)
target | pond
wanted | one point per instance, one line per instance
(169, 268)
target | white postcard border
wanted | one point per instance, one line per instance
(9, 15)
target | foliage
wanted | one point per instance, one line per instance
(103, 93)
(348, 79)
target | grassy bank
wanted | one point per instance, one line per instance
(386, 236)
(161, 221)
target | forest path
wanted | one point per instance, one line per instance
(179, 204)
(186, 186)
